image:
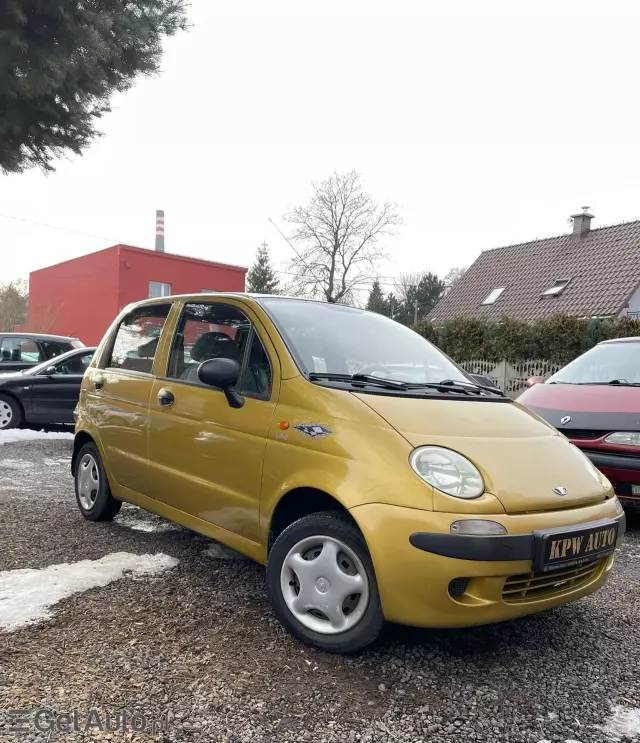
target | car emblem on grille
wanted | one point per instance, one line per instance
(560, 491)
(565, 419)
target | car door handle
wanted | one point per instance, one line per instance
(98, 383)
(165, 398)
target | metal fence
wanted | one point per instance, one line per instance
(511, 376)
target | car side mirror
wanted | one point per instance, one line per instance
(49, 371)
(223, 374)
(533, 380)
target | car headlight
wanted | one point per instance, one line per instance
(447, 471)
(627, 438)
(619, 508)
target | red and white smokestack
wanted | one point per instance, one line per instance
(160, 230)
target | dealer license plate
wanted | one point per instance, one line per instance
(565, 547)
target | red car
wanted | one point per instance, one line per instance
(595, 402)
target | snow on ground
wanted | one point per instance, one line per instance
(624, 722)
(26, 434)
(26, 595)
(137, 518)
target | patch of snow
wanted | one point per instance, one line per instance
(141, 520)
(15, 464)
(624, 722)
(26, 434)
(220, 552)
(26, 595)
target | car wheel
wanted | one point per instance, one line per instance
(10, 413)
(322, 584)
(93, 494)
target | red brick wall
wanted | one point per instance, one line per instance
(76, 298)
(81, 297)
(185, 275)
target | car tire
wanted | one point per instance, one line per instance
(300, 598)
(10, 413)
(93, 494)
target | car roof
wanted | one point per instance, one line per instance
(635, 339)
(40, 336)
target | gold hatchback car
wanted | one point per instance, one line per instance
(372, 476)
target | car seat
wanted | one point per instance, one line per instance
(212, 345)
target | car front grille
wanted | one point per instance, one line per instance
(587, 434)
(519, 589)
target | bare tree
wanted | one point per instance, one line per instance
(337, 237)
(47, 315)
(454, 275)
(13, 304)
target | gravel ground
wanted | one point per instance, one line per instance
(198, 643)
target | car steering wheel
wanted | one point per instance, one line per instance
(377, 367)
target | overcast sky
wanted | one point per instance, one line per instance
(488, 122)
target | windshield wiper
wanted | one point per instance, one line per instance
(468, 386)
(389, 384)
(447, 385)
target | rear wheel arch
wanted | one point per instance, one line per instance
(299, 502)
(81, 438)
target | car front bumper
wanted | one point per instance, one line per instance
(428, 577)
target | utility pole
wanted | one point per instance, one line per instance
(415, 312)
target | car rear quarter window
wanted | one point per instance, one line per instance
(136, 340)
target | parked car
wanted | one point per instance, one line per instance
(24, 350)
(429, 501)
(45, 393)
(595, 402)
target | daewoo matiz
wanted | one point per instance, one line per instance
(368, 472)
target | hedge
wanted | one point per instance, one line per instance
(557, 339)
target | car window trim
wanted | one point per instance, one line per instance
(245, 367)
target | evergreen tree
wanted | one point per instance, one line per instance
(60, 62)
(377, 301)
(261, 278)
(420, 296)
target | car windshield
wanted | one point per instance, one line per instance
(608, 362)
(334, 339)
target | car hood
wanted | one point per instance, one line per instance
(522, 458)
(585, 406)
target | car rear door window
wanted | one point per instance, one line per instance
(136, 340)
(15, 349)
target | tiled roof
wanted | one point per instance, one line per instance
(603, 265)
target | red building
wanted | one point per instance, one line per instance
(81, 297)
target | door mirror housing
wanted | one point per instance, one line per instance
(49, 371)
(533, 380)
(223, 374)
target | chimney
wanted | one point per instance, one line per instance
(160, 230)
(582, 222)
